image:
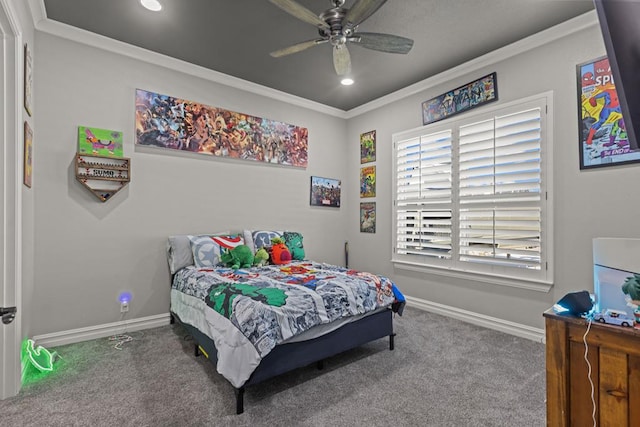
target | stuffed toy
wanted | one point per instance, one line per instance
(279, 252)
(261, 257)
(238, 257)
(294, 244)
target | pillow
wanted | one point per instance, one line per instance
(207, 249)
(179, 253)
(293, 240)
(256, 239)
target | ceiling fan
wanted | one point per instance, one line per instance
(338, 26)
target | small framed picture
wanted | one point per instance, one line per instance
(28, 155)
(28, 78)
(368, 217)
(325, 192)
(368, 147)
(99, 142)
(368, 181)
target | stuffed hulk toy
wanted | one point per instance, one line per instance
(294, 244)
(261, 257)
(238, 257)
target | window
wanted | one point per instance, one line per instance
(471, 193)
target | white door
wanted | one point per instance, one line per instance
(10, 223)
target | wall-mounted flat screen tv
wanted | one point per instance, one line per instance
(620, 25)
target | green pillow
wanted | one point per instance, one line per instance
(293, 241)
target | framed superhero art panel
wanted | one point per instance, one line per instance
(368, 181)
(325, 192)
(461, 99)
(368, 147)
(179, 124)
(602, 132)
(368, 217)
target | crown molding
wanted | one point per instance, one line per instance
(564, 29)
(45, 25)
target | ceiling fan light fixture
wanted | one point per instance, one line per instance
(153, 5)
(346, 81)
(338, 26)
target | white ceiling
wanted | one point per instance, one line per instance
(235, 37)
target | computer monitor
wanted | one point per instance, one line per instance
(616, 268)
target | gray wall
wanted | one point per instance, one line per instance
(87, 252)
(587, 204)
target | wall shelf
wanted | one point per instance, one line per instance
(103, 176)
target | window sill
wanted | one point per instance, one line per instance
(513, 282)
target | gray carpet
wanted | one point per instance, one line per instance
(443, 372)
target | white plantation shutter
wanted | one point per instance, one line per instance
(470, 193)
(423, 189)
(509, 237)
(499, 182)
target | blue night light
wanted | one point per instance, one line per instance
(125, 297)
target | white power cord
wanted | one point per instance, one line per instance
(586, 359)
(122, 338)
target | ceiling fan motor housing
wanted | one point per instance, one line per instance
(336, 34)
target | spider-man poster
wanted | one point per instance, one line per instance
(603, 135)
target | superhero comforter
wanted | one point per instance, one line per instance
(248, 312)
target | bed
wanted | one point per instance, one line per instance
(260, 322)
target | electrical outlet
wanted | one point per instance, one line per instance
(124, 307)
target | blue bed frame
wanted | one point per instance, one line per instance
(287, 357)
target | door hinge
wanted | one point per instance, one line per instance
(8, 314)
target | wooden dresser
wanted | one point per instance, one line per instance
(614, 355)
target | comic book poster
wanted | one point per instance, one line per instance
(100, 142)
(325, 192)
(368, 181)
(603, 135)
(368, 217)
(178, 124)
(368, 147)
(461, 99)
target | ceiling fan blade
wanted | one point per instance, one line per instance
(383, 42)
(361, 10)
(341, 60)
(300, 12)
(297, 47)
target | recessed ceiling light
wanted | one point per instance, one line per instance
(153, 5)
(347, 82)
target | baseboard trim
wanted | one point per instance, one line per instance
(517, 329)
(100, 331)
